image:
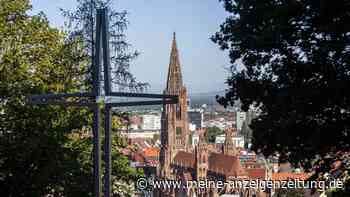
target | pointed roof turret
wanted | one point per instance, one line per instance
(174, 81)
(229, 147)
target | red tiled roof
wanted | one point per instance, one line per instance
(151, 152)
(225, 164)
(288, 175)
(138, 157)
(153, 163)
(185, 159)
(256, 173)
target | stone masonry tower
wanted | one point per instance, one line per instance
(174, 131)
(229, 147)
(202, 157)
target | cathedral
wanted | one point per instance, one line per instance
(179, 161)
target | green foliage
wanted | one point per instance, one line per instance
(123, 175)
(190, 138)
(291, 60)
(38, 155)
(34, 58)
(345, 191)
(211, 133)
(178, 131)
(155, 138)
(289, 192)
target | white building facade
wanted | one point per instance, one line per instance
(150, 122)
(238, 141)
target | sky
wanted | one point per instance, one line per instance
(150, 31)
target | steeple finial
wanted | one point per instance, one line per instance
(174, 35)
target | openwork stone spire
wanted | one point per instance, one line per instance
(229, 147)
(175, 131)
(174, 81)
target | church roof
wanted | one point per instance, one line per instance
(225, 164)
(186, 159)
(218, 162)
(174, 81)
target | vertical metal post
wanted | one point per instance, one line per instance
(108, 149)
(96, 117)
(97, 151)
(92, 34)
(106, 55)
(97, 66)
(107, 89)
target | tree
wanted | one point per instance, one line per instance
(280, 192)
(291, 60)
(81, 24)
(211, 133)
(34, 58)
(39, 155)
(79, 179)
(155, 138)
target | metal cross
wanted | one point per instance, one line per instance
(92, 101)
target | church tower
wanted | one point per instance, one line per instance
(229, 147)
(202, 157)
(174, 131)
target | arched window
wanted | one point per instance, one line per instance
(178, 130)
(178, 112)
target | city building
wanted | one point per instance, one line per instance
(141, 134)
(195, 140)
(238, 141)
(150, 122)
(246, 131)
(192, 127)
(196, 116)
(240, 118)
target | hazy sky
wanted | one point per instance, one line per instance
(151, 23)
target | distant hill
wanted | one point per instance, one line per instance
(205, 98)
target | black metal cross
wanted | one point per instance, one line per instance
(93, 100)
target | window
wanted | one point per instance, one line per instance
(178, 130)
(178, 112)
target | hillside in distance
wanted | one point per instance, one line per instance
(198, 99)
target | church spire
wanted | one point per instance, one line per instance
(229, 147)
(174, 81)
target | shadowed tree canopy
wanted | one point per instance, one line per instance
(291, 59)
(35, 58)
(211, 133)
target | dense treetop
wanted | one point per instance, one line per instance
(295, 56)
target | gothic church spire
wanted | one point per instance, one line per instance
(174, 81)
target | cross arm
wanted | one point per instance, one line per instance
(142, 95)
(141, 103)
(70, 99)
